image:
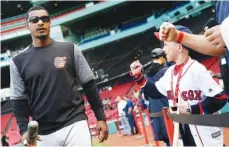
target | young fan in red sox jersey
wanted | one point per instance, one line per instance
(190, 87)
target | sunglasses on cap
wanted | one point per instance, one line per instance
(35, 19)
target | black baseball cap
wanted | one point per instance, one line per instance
(157, 52)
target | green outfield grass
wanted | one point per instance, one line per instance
(96, 143)
(100, 144)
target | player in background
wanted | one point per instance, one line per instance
(189, 86)
(129, 109)
(121, 104)
(154, 73)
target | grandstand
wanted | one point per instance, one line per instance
(111, 35)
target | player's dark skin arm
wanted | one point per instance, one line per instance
(21, 112)
(96, 105)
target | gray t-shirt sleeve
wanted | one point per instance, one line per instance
(17, 87)
(83, 70)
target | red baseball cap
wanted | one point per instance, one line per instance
(157, 35)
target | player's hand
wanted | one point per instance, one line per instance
(212, 73)
(101, 130)
(136, 68)
(24, 139)
(168, 32)
(183, 108)
(214, 36)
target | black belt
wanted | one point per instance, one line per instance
(156, 114)
(218, 120)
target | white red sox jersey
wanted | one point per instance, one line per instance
(195, 85)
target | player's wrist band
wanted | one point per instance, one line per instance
(136, 75)
(140, 79)
(180, 36)
(201, 108)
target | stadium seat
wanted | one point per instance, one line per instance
(4, 121)
(14, 137)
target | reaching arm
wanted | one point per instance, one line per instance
(94, 99)
(199, 43)
(19, 98)
(210, 104)
(86, 78)
(151, 90)
(147, 86)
